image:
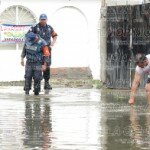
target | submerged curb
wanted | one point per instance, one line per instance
(87, 83)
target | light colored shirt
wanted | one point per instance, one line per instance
(146, 69)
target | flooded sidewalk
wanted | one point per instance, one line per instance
(72, 119)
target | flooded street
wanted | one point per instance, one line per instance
(72, 119)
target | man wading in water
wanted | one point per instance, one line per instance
(143, 67)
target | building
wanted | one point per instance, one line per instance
(77, 25)
(82, 30)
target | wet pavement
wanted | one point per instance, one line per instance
(73, 119)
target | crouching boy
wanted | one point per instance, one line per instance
(37, 55)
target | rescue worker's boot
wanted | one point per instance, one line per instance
(27, 86)
(47, 86)
(37, 87)
(36, 92)
(27, 92)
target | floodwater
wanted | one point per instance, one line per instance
(73, 119)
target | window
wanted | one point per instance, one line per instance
(16, 15)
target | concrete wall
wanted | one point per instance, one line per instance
(76, 23)
(125, 2)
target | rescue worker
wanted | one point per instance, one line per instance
(47, 33)
(143, 67)
(37, 54)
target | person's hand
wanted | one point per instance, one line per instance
(131, 101)
(52, 44)
(22, 62)
(43, 67)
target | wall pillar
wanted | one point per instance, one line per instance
(103, 41)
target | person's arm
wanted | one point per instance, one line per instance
(54, 38)
(23, 54)
(135, 84)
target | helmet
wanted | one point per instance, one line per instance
(31, 36)
(43, 17)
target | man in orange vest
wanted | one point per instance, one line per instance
(47, 33)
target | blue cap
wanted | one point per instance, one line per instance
(43, 17)
(31, 36)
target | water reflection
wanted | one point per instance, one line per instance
(127, 126)
(63, 121)
(135, 127)
(70, 119)
(76, 120)
(37, 125)
(140, 133)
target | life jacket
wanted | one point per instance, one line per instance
(45, 32)
(34, 52)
